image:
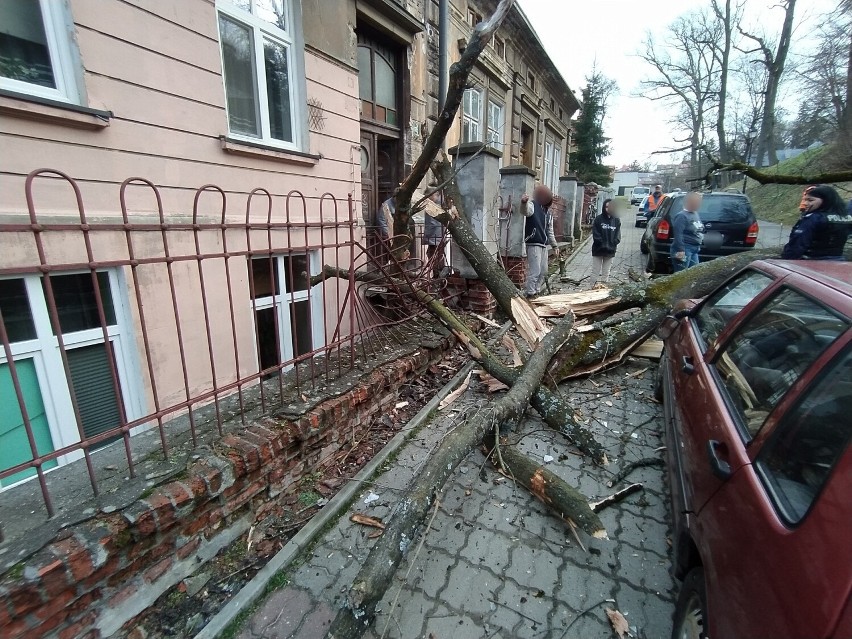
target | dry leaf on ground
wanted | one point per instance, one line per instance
(619, 623)
(366, 520)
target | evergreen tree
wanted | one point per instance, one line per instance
(590, 143)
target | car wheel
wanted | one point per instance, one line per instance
(643, 246)
(690, 618)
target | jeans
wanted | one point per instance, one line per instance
(601, 266)
(536, 268)
(690, 259)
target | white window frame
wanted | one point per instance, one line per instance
(50, 372)
(261, 29)
(548, 164)
(495, 124)
(473, 120)
(283, 300)
(62, 61)
(557, 168)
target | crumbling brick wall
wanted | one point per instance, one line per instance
(95, 577)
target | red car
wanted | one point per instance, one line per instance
(757, 387)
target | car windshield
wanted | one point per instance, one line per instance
(720, 208)
(721, 307)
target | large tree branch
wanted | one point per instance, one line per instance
(376, 574)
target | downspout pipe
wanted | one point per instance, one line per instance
(443, 51)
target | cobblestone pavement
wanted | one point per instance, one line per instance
(494, 563)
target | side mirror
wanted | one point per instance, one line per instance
(684, 312)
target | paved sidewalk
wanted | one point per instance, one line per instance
(495, 563)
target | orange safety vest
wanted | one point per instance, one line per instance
(653, 202)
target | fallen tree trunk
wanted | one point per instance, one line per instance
(566, 502)
(554, 410)
(376, 574)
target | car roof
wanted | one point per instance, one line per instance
(830, 273)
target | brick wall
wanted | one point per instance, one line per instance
(95, 577)
(471, 295)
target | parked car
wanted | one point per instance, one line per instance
(756, 383)
(642, 213)
(729, 222)
(638, 193)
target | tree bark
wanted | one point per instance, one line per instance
(376, 574)
(775, 64)
(566, 502)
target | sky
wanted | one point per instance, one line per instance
(578, 35)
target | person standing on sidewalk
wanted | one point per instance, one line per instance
(606, 234)
(538, 235)
(654, 200)
(687, 233)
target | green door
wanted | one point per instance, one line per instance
(14, 445)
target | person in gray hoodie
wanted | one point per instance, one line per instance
(687, 233)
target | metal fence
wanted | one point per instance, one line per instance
(123, 322)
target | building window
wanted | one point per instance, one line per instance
(473, 18)
(103, 402)
(531, 80)
(552, 105)
(561, 115)
(549, 168)
(287, 312)
(378, 81)
(526, 149)
(472, 116)
(495, 125)
(259, 63)
(499, 48)
(35, 50)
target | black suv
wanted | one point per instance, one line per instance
(729, 222)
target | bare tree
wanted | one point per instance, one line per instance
(774, 62)
(728, 17)
(686, 74)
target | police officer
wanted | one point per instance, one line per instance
(823, 228)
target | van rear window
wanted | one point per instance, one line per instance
(720, 209)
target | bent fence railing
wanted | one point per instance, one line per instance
(117, 323)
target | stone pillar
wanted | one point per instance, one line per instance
(579, 198)
(478, 183)
(515, 180)
(568, 192)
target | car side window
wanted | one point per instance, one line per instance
(720, 308)
(798, 458)
(774, 347)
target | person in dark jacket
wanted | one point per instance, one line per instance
(538, 235)
(823, 228)
(687, 233)
(606, 234)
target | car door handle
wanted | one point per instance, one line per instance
(687, 365)
(720, 467)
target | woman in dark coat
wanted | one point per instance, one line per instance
(606, 234)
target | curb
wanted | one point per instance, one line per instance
(577, 251)
(256, 588)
